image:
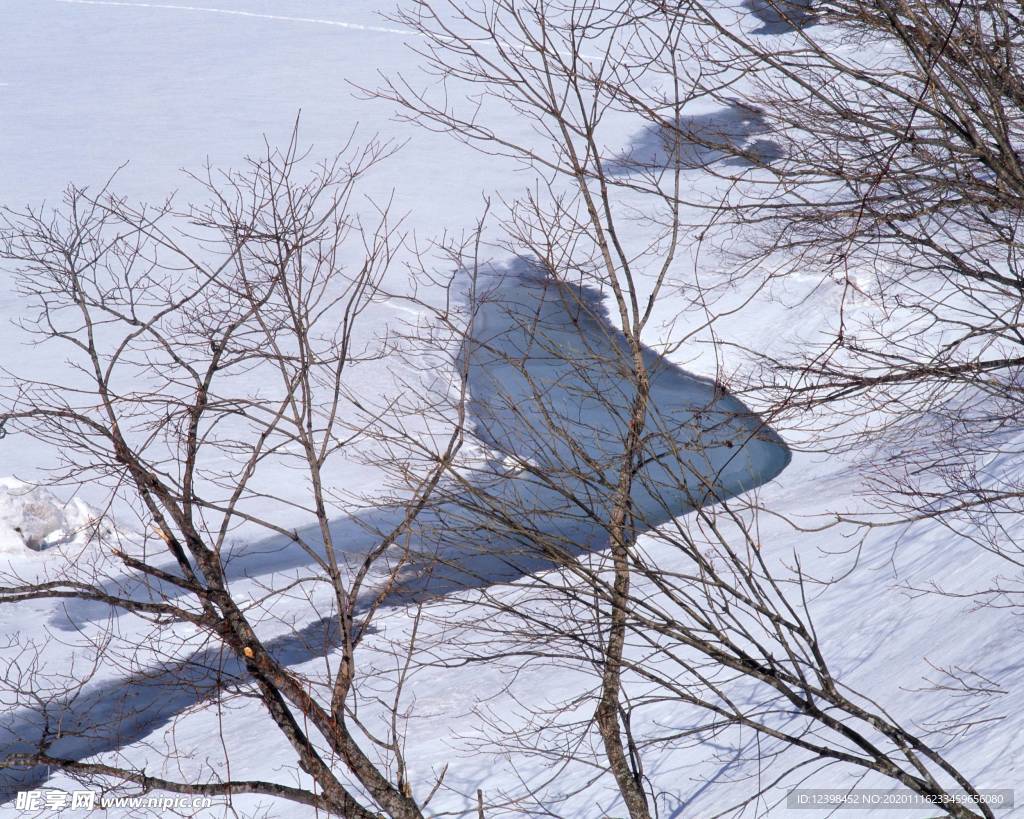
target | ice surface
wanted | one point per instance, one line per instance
(545, 370)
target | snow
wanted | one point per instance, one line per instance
(32, 518)
(90, 84)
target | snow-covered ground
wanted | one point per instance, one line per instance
(87, 85)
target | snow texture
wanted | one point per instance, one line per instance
(32, 518)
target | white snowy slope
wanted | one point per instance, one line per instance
(86, 85)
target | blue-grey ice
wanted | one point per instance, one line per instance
(550, 392)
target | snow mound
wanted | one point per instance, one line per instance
(31, 517)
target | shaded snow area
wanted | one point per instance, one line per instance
(697, 141)
(541, 364)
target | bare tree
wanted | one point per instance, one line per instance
(898, 181)
(210, 350)
(597, 439)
